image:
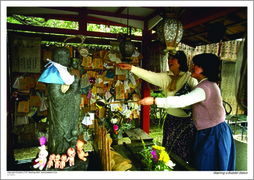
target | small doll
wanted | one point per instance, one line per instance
(43, 141)
(71, 153)
(51, 159)
(81, 154)
(42, 159)
(57, 161)
(63, 161)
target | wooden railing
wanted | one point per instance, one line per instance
(108, 158)
(102, 144)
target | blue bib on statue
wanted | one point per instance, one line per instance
(51, 75)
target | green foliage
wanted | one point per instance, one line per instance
(159, 94)
(115, 122)
(13, 20)
(35, 21)
(157, 115)
(155, 159)
(147, 155)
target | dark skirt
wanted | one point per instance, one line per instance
(183, 127)
(214, 149)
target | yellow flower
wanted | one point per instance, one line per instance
(119, 109)
(164, 156)
(160, 148)
(98, 106)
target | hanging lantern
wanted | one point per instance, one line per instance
(126, 48)
(216, 32)
(170, 31)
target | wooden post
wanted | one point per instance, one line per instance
(145, 110)
(108, 155)
(103, 144)
(10, 122)
(82, 20)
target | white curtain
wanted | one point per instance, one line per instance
(229, 50)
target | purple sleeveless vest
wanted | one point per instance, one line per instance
(209, 112)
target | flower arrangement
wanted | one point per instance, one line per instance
(116, 121)
(156, 159)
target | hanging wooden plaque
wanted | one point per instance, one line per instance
(26, 54)
(34, 101)
(23, 106)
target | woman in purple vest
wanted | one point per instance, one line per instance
(214, 147)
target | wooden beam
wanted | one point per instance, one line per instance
(90, 19)
(212, 14)
(152, 15)
(150, 7)
(189, 43)
(60, 39)
(120, 10)
(71, 9)
(235, 36)
(194, 35)
(187, 12)
(229, 25)
(63, 31)
(203, 39)
(102, 13)
(56, 16)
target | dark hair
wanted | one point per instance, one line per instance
(182, 60)
(210, 64)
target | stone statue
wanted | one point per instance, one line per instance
(63, 109)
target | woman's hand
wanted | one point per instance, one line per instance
(147, 101)
(124, 66)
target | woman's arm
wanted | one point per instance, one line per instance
(157, 79)
(195, 96)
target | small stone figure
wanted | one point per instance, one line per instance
(63, 161)
(42, 159)
(57, 161)
(51, 159)
(71, 153)
(81, 154)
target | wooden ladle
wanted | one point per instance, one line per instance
(102, 102)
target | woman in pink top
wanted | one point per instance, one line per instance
(214, 147)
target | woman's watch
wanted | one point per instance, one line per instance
(154, 101)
